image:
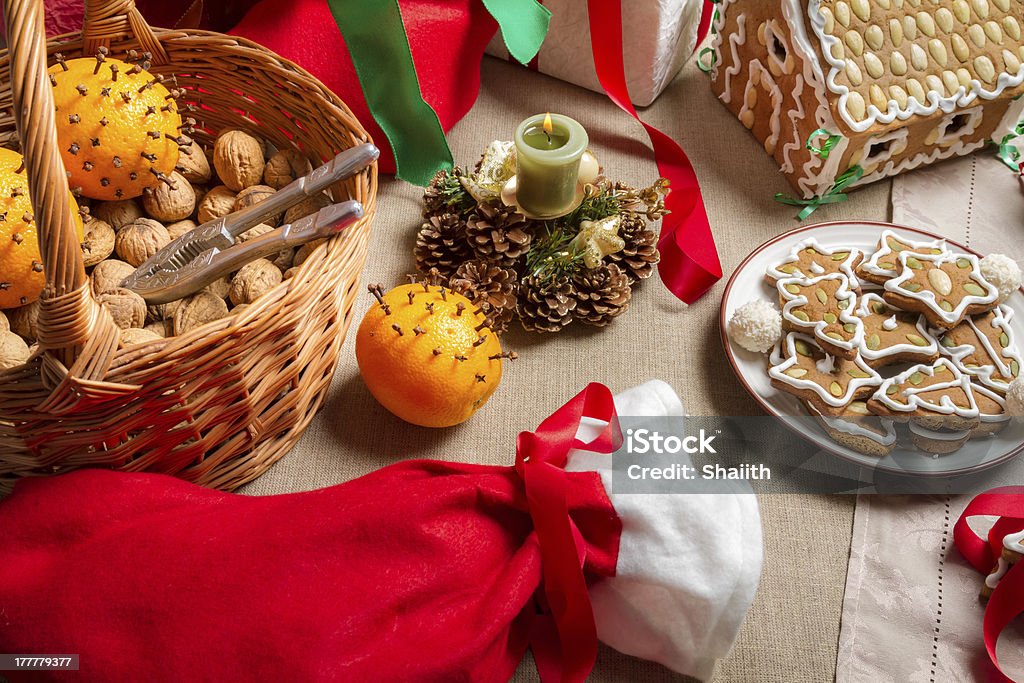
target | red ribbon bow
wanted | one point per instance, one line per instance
(1007, 600)
(540, 461)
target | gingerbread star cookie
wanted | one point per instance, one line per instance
(945, 288)
(857, 429)
(883, 264)
(809, 259)
(1012, 551)
(991, 411)
(799, 366)
(892, 336)
(935, 397)
(983, 346)
(824, 307)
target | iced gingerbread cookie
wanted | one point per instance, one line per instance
(983, 347)
(1013, 550)
(991, 411)
(936, 397)
(857, 429)
(809, 259)
(802, 368)
(945, 288)
(937, 441)
(884, 264)
(892, 336)
(824, 307)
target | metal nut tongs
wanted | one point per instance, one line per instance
(209, 252)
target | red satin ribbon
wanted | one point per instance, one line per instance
(540, 461)
(689, 259)
(1007, 601)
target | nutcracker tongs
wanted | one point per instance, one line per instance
(210, 251)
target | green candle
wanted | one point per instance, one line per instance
(548, 152)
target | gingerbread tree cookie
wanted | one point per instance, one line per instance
(936, 397)
(983, 347)
(1012, 551)
(809, 259)
(857, 429)
(991, 409)
(823, 306)
(946, 288)
(893, 336)
(802, 368)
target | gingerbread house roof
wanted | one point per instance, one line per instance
(894, 59)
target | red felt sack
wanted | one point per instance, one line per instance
(447, 39)
(421, 571)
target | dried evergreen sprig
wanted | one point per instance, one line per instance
(446, 194)
(552, 256)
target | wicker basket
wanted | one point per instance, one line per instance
(221, 403)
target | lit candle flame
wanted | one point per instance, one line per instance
(548, 127)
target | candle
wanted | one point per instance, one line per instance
(548, 152)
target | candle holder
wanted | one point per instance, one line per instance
(580, 263)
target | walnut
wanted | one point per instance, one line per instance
(117, 214)
(200, 192)
(109, 274)
(238, 158)
(13, 350)
(284, 259)
(253, 232)
(127, 308)
(194, 167)
(5, 324)
(219, 201)
(161, 328)
(140, 239)
(24, 321)
(99, 241)
(158, 312)
(176, 230)
(254, 280)
(306, 250)
(197, 310)
(170, 202)
(306, 207)
(219, 288)
(254, 195)
(285, 166)
(138, 335)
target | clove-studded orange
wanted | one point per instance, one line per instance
(21, 267)
(427, 355)
(118, 126)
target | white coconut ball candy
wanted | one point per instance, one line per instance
(756, 326)
(1003, 272)
(1015, 398)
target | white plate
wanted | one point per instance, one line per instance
(748, 283)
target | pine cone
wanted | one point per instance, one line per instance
(445, 194)
(498, 233)
(491, 288)
(441, 244)
(602, 294)
(547, 304)
(638, 258)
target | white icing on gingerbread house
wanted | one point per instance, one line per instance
(900, 83)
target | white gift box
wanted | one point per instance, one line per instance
(658, 37)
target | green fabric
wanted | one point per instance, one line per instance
(379, 48)
(524, 25)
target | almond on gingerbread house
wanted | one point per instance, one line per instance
(865, 89)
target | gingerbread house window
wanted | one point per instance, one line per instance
(881, 148)
(955, 126)
(777, 50)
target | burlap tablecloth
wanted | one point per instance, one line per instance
(792, 631)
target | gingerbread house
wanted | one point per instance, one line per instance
(879, 86)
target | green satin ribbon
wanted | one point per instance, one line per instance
(830, 141)
(706, 67)
(379, 48)
(1008, 153)
(834, 195)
